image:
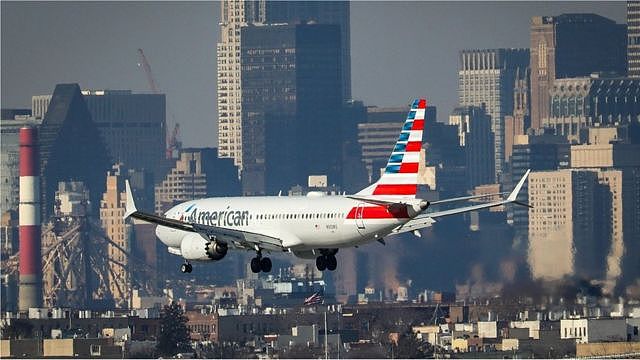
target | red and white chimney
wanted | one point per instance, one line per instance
(30, 292)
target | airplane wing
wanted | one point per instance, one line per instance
(232, 237)
(428, 218)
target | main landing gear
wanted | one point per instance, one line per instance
(327, 261)
(186, 268)
(260, 263)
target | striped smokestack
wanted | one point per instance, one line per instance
(30, 293)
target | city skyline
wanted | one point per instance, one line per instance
(180, 41)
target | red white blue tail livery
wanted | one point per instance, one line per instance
(400, 177)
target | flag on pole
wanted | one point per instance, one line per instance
(314, 299)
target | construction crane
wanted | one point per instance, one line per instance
(147, 70)
(173, 145)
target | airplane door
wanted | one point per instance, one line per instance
(359, 212)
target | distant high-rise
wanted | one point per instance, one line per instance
(536, 152)
(518, 122)
(474, 132)
(9, 164)
(633, 39)
(39, 105)
(615, 159)
(291, 105)
(239, 13)
(444, 158)
(378, 135)
(228, 80)
(133, 126)
(112, 208)
(578, 103)
(564, 226)
(488, 77)
(71, 147)
(571, 45)
(318, 12)
(198, 173)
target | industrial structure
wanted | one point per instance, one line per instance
(82, 266)
(29, 209)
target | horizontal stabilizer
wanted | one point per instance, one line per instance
(463, 198)
(426, 219)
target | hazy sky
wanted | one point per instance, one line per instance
(399, 50)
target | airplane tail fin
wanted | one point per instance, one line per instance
(400, 177)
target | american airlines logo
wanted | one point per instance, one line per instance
(219, 218)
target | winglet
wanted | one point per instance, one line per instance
(131, 205)
(514, 194)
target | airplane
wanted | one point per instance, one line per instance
(314, 226)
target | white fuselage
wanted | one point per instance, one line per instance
(302, 223)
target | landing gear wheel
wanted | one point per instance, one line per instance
(265, 264)
(255, 265)
(332, 262)
(321, 263)
(186, 268)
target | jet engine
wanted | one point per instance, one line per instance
(195, 247)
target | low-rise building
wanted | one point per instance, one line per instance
(488, 329)
(202, 326)
(427, 332)
(593, 330)
(459, 345)
(510, 344)
(532, 325)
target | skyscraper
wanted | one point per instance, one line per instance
(520, 120)
(571, 45)
(615, 160)
(578, 103)
(318, 12)
(476, 137)
(633, 39)
(198, 173)
(228, 80)
(379, 133)
(133, 126)
(543, 151)
(488, 77)
(9, 156)
(71, 147)
(238, 13)
(112, 208)
(564, 228)
(291, 105)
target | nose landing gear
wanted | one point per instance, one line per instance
(186, 268)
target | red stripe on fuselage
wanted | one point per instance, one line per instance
(408, 168)
(379, 212)
(395, 189)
